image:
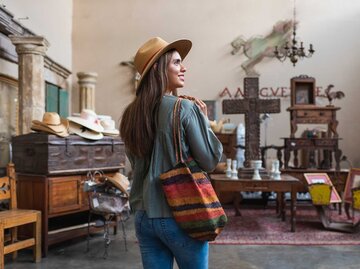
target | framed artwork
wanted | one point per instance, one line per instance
(313, 178)
(302, 91)
(211, 109)
(352, 181)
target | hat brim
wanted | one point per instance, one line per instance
(182, 46)
(82, 131)
(111, 132)
(121, 182)
(92, 126)
(60, 128)
(45, 129)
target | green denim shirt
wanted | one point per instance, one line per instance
(197, 140)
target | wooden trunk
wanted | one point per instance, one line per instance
(45, 154)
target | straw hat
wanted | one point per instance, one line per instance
(84, 132)
(51, 123)
(151, 51)
(109, 127)
(88, 119)
(121, 182)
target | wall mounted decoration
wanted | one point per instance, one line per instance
(259, 47)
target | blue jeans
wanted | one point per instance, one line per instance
(161, 240)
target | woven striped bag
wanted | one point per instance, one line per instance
(190, 195)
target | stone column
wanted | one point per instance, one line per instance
(31, 51)
(87, 82)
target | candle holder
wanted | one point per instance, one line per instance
(228, 167)
(256, 165)
(234, 172)
(275, 171)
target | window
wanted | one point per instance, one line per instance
(57, 100)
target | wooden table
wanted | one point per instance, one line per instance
(314, 115)
(295, 144)
(287, 184)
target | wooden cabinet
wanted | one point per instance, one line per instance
(62, 202)
(64, 194)
(51, 172)
(302, 91)
(229, 144)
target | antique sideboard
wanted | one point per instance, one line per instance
(51, 172)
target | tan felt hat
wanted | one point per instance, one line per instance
(151, 51)
(121, 182)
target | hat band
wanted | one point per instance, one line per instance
(83, 129)
(53, 124)
(89, 117)
(148, 61)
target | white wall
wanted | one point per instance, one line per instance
(51, 19)
(93, 35)
(109, 31)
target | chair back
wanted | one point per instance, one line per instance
(320, 193)
(13, 218)
(8, 187)
(5, 188)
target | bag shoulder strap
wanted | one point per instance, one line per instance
(177, 131)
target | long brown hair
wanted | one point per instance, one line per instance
(139, 120)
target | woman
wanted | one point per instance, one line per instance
(146, 128)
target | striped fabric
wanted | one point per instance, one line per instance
(190, 195)
(193, 201)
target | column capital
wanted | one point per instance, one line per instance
(87, 77)
(30, 44)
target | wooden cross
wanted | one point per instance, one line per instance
(251, 106)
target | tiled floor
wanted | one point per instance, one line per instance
(72, 255)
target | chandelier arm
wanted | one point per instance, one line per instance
(292, 51)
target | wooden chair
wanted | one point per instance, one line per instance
(13, 218)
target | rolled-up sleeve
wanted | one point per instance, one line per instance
(203, 145)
